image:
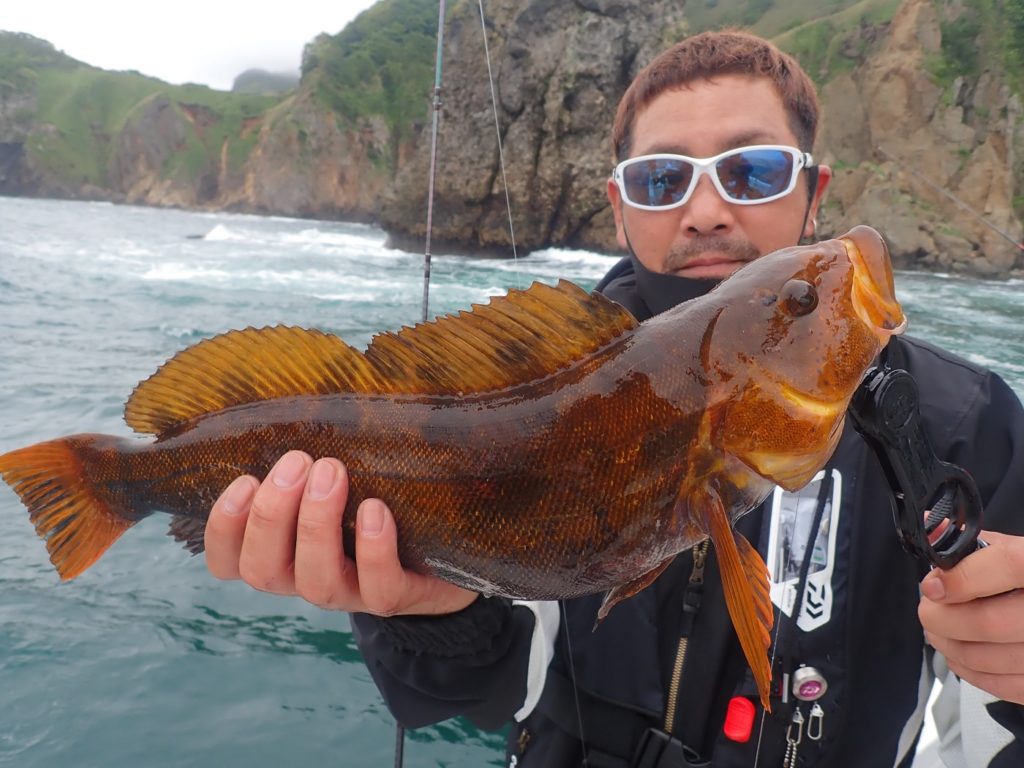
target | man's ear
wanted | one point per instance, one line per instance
(615, 198)
(824, 178)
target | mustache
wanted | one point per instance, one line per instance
(736, 250)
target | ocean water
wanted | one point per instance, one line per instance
(145, 659)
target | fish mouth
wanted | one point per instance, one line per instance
(873, 293)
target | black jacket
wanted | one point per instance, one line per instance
(858, 629)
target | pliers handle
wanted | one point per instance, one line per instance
(936, 505)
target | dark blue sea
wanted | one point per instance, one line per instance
(147, 661)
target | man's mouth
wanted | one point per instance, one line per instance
(714, 257)
(709, 266)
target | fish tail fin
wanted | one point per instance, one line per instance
(76, 518)
(747, 595)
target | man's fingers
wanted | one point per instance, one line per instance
(321, 575)
(225, 528)
(993, 570)
(997, 619)
(382, 582)
(988, 658)
(268, 551)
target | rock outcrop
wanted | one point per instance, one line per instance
(929, 166)
(559, 69)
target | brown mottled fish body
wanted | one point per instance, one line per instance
(543, 446)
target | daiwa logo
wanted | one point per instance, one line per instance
(791, 542)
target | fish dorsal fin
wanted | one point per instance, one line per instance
(514, 339)
(244, 367)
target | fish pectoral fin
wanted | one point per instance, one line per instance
(630, 588)
(745, 584)
(190, 531)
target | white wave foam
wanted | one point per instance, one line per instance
(220, 232)
(183, 272)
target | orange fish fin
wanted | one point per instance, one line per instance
(745, 584)
(244, 367)
(627, 590)
(514, 339)
(190, 531)
(77, 525)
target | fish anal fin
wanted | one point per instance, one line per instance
(745, 584)
(630, 588)
(190, 531)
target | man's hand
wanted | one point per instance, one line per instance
(973, 615)
(284, 536)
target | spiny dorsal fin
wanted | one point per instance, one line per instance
(517, 338)
(245, 367)
(514, 339)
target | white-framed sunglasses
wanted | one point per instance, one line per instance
(744, 176)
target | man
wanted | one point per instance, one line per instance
(662, 681)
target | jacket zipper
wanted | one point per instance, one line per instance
(691, 602)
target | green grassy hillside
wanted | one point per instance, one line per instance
(382, 63)
(78, 110)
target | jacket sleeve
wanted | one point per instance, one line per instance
(981, 421)
(473, 663)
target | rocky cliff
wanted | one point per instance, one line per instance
(559, 69)
(925, 146)
(932, 166)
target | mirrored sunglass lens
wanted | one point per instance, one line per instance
(656, 182)
(755, 174)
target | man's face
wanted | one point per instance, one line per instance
(709, 237)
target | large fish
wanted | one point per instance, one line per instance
(543, 446)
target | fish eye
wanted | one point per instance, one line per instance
(799, 297)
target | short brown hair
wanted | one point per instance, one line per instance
(728, 52)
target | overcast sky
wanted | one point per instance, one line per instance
(208, 42)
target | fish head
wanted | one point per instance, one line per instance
(794, 334)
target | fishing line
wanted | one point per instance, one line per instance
(575, 686)
(497, 132)
(960, 203)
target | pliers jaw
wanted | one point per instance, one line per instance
(936, 505)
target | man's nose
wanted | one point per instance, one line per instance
(706, 213)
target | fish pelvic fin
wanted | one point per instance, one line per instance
(67, 510)
(747, 596)
(512, 340)
(627, 590)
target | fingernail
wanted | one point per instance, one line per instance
(933, 588)
(321, 482)
(371, 518)
(237, 496)
(288, 470)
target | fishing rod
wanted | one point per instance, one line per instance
(436, 106)
(433, 156)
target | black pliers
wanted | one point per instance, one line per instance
(936, 505)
